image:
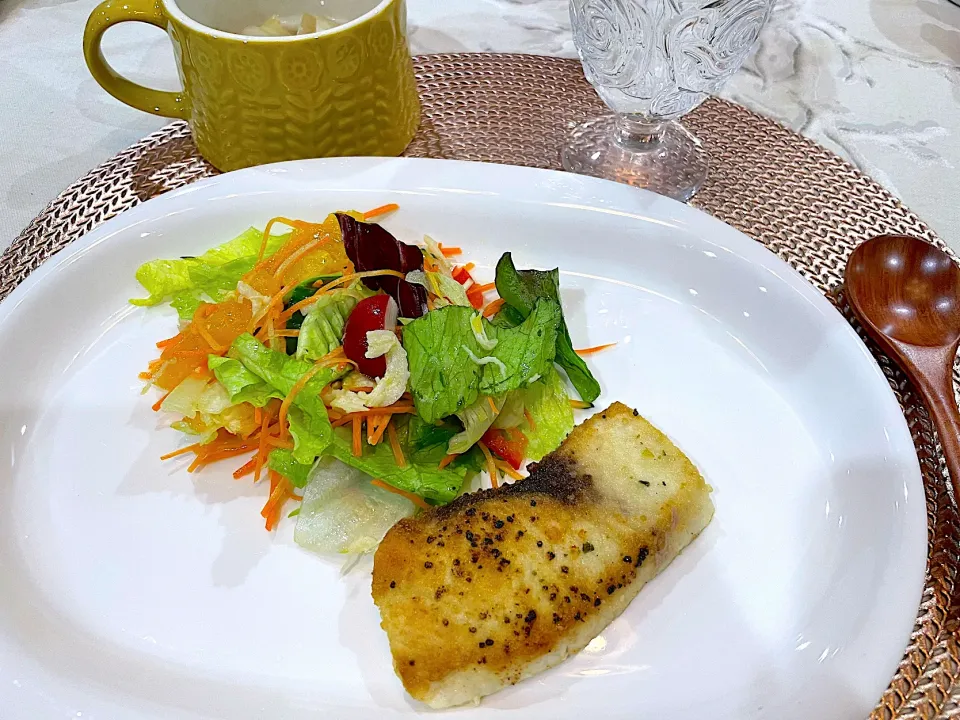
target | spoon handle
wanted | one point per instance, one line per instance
(936, 387)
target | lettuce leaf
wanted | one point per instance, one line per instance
(448, 288)
(443, 378)
(189, 281)
(343, 512)
(521, 289)
(241, 384)
(476, 420)
(427, 443)
(549, 405)
(449, 369)
(527, 351)
(322, 328)
(282, 461)
(426, 480)
(309, 422)
(205, 408)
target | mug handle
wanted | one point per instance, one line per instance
(106, 15)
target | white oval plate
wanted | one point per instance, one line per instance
(131, 589)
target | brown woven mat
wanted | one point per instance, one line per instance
(802, 202)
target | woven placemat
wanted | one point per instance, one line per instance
(802, 202)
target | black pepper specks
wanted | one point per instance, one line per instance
(635, 413)
(473, 630)
(644, 483)
(533, 503)
(498, 524)
(564, 569)
(596, 602)
(627, 559)
(642, 554)
(539, 543)
(551, 555)
(428, 564)
(393, 584)
(587, 547)
(611, 589)
(488, 642)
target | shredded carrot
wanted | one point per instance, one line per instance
(486, 287)
(580, 405)
(506, 468)
(389, 410)
(297, 254)
(181, 451)
(170, 341)
(266, 234)
(354, 276)
(428, 264)
(297, 387)
(372, 422)
(493, 307)
(296, 307)
(493, 405)
(415, 499)
(158, 403)
(450, 251)
(491, 465)
(382, 420)
(246, 468)
(270, 308)
(382, 210)
(357, 445)
(302, 237)
(257, 415)
(217, 348)
(286, 333)
(190, 353)
(594, 349)
(530, 421)
(212, 457)
(145, 376)
(279, 443)
(262, 451)
(395, 445)
(447, 460)
(282, 491)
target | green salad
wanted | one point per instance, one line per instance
(361, 376)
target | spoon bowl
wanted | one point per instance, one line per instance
(907, 289)
(906, 294)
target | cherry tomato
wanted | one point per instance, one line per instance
(510, 445)
(374, 313)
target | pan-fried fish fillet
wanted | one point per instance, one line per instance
(502, 584)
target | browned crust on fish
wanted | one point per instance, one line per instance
(501, 584)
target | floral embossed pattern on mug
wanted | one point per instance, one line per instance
(251, 100)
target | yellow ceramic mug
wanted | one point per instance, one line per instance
(251, 100)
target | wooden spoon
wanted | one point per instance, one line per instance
(906, 294)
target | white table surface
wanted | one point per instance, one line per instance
(876, 81)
